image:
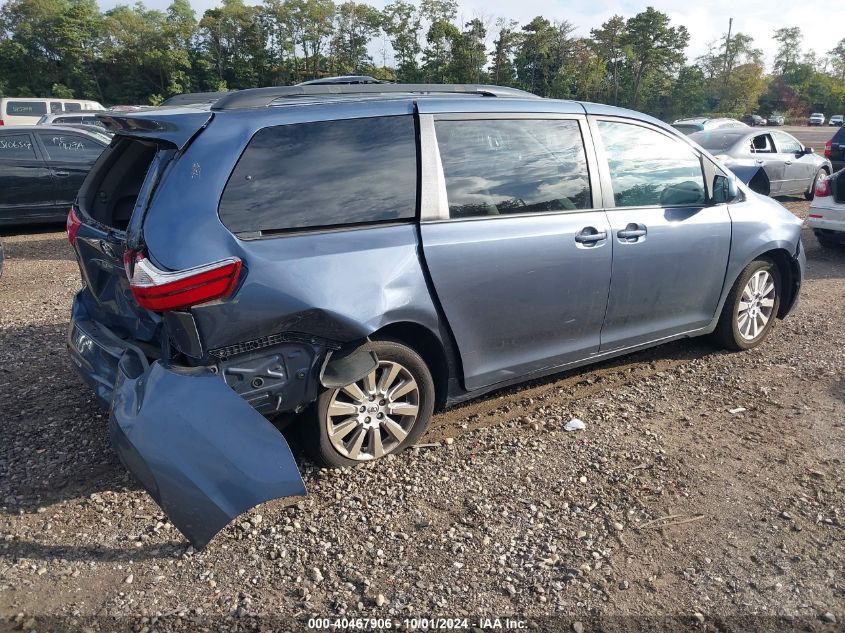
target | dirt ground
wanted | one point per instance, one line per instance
(706, 493)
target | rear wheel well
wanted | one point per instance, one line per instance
(788, 275)
(425, 343)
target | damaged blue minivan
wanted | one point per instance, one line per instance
(363, 255)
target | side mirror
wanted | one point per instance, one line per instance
(724, 189)
(808, 150)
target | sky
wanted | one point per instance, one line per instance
(706, 20)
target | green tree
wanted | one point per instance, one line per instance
(402, 24)
(355, 26)
(441, 34)
(789, 49)
(469, 52)
(657, 49)
(533, 61)
(837, 59)
(502, 70)
(608, 42)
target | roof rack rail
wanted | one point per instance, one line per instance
(262, 97)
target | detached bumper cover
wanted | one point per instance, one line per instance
(196, 446)
(201, 451)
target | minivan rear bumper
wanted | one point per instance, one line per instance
(202, 452)
(95, 352)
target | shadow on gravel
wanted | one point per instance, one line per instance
(44, 551)
(48, 248)
(31, 229)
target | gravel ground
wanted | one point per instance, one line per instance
(705, 492)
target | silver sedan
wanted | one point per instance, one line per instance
(771, 162)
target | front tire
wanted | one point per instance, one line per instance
(751, 307)
(381, 414)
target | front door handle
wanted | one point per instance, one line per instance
(589, 235)
(787, 162)
(632, 232)
(62, 174)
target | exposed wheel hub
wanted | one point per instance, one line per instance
(371, 418)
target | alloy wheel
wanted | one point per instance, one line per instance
(756, 305)
(371, 418)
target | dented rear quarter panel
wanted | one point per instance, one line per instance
(339, 284)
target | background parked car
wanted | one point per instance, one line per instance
(816, 118)
(775, 119)
(771, 162)
(834, 149)
(697, 124)
(754, 120)
(827, 212)
(27, 110)
(836, 119)
(83, 117)
(42, 168)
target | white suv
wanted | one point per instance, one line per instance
(816, 118)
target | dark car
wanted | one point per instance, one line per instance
(771, 162)
(363, 254)
(753, 120)
(834, 149)
(42, 168)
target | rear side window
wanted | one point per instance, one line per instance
(26, 108)
(55, 106)
(70, 147)
(16, 146)
(504, 167)
(648, 168)
(73, 107)
(327, 173)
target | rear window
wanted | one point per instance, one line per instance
(26, 108)
(326, 173)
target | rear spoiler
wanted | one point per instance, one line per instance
(176, 126)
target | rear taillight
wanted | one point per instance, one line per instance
(73, 225)
(828, 148)
(822, 187)
(160, 290)
(1, 122)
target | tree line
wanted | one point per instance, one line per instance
(135, 55)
